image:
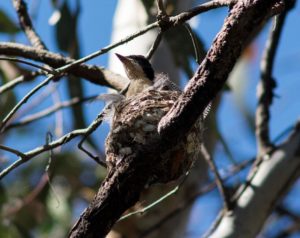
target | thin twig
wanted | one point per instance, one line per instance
(294, 227)
(107, 48)
(194, 41)
(32, 153)
(160, 7)
(33, 104)
(283, 211)
(187, 15)
(219, 181)
(46, 70)
(24, 100)
(226, 148)
(12, 150)
(95, 74)
(158, 201)
(266, 87)
(48, 111)
(54, 144)
(49, 138)
(155, 45)
(162, 17)
(22, 78)
(26, 24)
(143, 210)
(188, 202)
(93, 126)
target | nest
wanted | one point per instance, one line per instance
(134, 125)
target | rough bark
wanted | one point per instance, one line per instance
(122, 187)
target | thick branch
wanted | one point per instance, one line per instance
(122, 187)
(210, 77)
(112, 199)
(94, 74)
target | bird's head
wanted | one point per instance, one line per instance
(137, 67)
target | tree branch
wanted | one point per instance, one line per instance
(48, 111)
(214, 69)
(262, 191)
(24, 157)
(266, 87)
(26, 25)
(46, 70)
(22, 78)
(222, 189)
(24, 100)
(122, 187)
(94, 74)
(191, 199)
(155, 45)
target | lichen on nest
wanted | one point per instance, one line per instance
(134, 125)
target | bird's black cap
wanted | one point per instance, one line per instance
(145, 64)
(142, 62)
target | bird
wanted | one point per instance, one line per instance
(136, 115)
(142, 75)
(139, 71)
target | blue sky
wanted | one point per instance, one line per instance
(94, 33)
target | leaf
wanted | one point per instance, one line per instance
(7, 25)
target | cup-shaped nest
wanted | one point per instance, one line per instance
(134, 128)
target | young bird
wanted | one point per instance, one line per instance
(134, 121)
(142, 76)
(139, 71)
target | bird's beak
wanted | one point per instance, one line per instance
(123, 59)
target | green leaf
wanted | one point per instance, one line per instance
(7, 25)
